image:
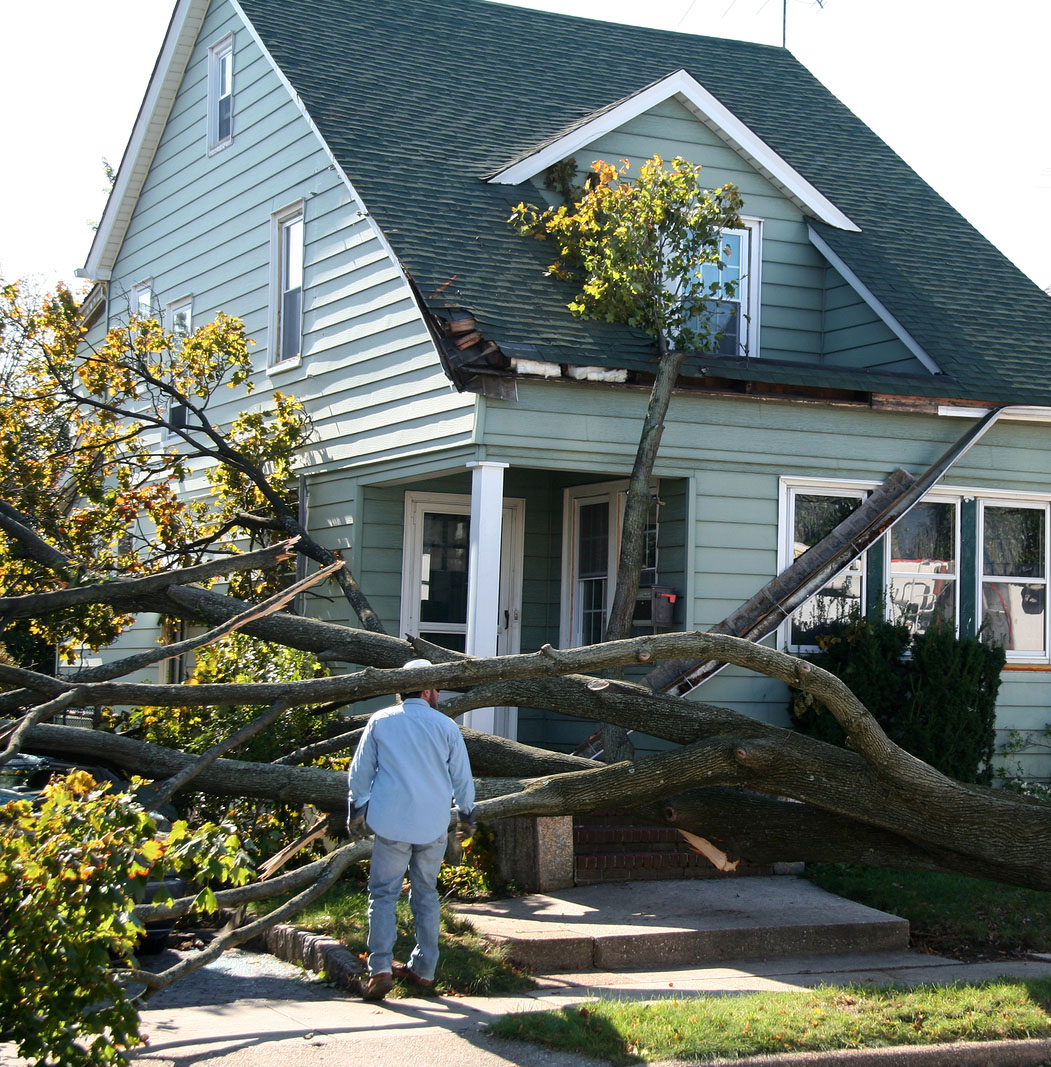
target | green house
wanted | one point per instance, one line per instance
(340, 177)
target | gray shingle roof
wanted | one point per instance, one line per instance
(422, 100)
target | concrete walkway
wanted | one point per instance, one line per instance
(252, 1010)
(644, 941)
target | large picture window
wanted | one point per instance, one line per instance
(977, 562)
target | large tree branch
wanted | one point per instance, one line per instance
(35, 605)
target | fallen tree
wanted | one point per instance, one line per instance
(874, 803)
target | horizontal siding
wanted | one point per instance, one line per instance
(369, 375)
(736, 450)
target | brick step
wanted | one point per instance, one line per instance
(614, 848)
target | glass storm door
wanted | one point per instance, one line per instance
(434, 573)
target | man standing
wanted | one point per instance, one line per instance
(409, 767)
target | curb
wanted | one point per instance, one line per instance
(317, 952)
(1032, 1052)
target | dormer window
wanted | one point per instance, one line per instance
(221, 94)
(735, 313)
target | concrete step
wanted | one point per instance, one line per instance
(640, 925)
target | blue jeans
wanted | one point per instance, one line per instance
(390, 859)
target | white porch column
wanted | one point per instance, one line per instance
(483, 576)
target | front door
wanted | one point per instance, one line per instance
(435, 571)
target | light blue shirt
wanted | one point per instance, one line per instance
(410, 765)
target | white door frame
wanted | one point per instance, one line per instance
(508, 622)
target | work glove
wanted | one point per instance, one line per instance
(464, 825)
(356, 822)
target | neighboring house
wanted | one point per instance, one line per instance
(339, 175)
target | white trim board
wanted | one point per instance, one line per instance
(712, 113)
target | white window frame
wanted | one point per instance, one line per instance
(790, 488)
(957, 494)
(749, 289)
(140, 300)
(181, 308)
(220, 60)
(281, 223)
(614, 494)
(956, 576)
(987, 500)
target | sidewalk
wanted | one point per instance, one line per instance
(251, 1010)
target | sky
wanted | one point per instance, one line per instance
(961, 89)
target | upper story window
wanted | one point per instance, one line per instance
(735, 312)
(180, 317)
(140, 302)
(286, 320)
(221, 93)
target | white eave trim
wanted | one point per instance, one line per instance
(713, 114)
(873, 302)
(145, 136)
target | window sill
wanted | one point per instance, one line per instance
(285, 365)
(215, 149)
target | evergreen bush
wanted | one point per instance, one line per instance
(933, 693)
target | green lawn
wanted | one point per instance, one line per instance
(705, 1028)
(965, 918)
(468, 966)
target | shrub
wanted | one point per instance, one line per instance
(71, 868)
(933, 693)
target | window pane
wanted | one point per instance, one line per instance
(456, 642)
(592, 610)
(1014, 542)
(593, 532)
(816, 516)
(292, 251)
(291, 318)
(224, 116)
(1014, 615)
(925, 540)
(917, 600)
(443, 593)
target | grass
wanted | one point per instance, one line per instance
(468, 966)
(704, 1028)
(965, 918)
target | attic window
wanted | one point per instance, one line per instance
(736, 314)
(221, 93)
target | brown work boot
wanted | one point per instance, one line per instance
(378, 986)
(402, 971)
